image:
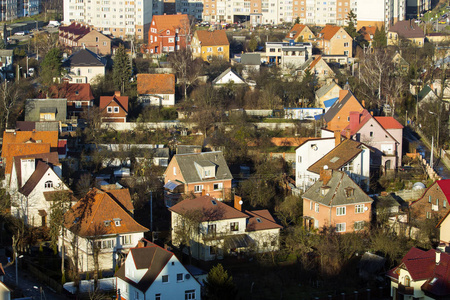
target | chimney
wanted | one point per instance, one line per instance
(354, 119)
(325, 175)
(238, 202)
(337, 137)
(117, 93)
(438, 257)
(363, 103)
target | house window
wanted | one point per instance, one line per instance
(198, 188)
(346, 53)
(218, 186)
(174, 171)
(359, 208)
(371, 134)
(209, 49)
(165, 278)
(190, 294)
(105, 43)
(428, 215)
(48, 184)
(89, 71)
(179, 277)
(77, 104)
(158, 297)
(234, 226)
(171, 40)
(340, 227)
(126, 239)
(358, 225)
(407, 281)
(212, 250)
(212, 229)
(116, 109)
(220, 49)
(109, 109)
(340, 211)
(310, 205)
(136, 295)
(444, 204)
(207, 173)
(317, 207)
(345, 44)
(429, 199)
(79, 80)
(299, 159)
(117, 222)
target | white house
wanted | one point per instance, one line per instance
(216, 228)
(34, 181)
(228, 76)
(156, 89)
(83, 66)
(101, 221)
(151, 272)
(302, 113)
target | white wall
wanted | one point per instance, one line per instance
(85, 74)
(371, 10)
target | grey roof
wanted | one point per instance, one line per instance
(251, 59)
(225, 73)
(48, 110)
(336, 107)
(325, 89)
(86, 58)
(336, 194)
(186, 162)
(5, 52)
(407, 29)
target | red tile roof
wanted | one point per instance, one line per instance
(353, 128)
(329, 31)
(298, 28)
(122, 196)
(115, 100)
(96, 213)
(389, 123)
(171, 22)
(151, 84)
(9, 151)
(212, 38)
(261, 220)
(72, 91)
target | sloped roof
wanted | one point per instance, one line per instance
(296, 29)
(150, 84)
(389, 122)
(315, 61)
(225, 73)
(328, 32)
(212, 38)
(87, 217)
(122, 101)
(407, 29)
(50, 157)
(336, 194)
(171, 22)
(326, 88)
(367, 31)
(75, 28)
(9, 151)
(72, 91)
(39, 172)
(211, 209)
(353, 128)
(338, 157)
(84, 58)
(261, 220)
(186, 163)
(122, 196)
(337, 106)
(18, 137)
(251, 59)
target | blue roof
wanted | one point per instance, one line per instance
(318, 117)
(330, 102)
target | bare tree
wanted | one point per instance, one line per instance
(10, 100)
(187, 69)
(94, 237)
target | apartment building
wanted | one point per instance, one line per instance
(323, 12)
(121, 18)
(380, 12)
(13, 9)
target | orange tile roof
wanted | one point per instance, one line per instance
(329, 31)
(123, 197)
(212, 38)
(121, 101)
(150, 84)
(366, 32)
(266, 221)
(298, 28)
(72, 91)
(171, 22)
(389, 123)
(288, 142)
(315, 61)
(18, 137)
(96, 214)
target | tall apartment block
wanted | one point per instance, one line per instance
(13, 9)
(121, 18)
(380, 12)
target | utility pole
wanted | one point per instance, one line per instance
(432, 152)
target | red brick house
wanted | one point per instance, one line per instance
(114, 108)
(79, 96)
(434, 202)
(335, 200)
(168, 33)
(77, 35)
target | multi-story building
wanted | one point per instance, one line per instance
(380, 13)
(124, 19)
(169, 33)
(77, 36)
(13, 9)
(288, 54)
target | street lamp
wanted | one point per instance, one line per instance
(17, 269)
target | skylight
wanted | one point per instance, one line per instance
(334, 159)
(258, 220)
(214, 202)
(434, 280)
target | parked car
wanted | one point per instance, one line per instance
(20, 33)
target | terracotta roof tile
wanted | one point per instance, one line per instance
(150, 84)
(49, 196)
(171, 22)
(95, 214)
(212, 38)
(389, 123)
(73, 91)
(123, 197)
(367, 32)
(329, 31)
(50, 157)
(298, 28)
(9, 151)
(315, 61)
(121, 101)
(261, 220)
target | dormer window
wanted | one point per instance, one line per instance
(324, 190)
(349, 192)
(117, 221)
(107, 223)
(168, 32)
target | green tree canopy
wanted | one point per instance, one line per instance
(252, 44)
(351, 29)
(219, 285)
(121, 69)
(51, 66)
(379, 38)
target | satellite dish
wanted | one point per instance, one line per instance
(241, 202)
(325, 167)
(187, 276)
(366, 208)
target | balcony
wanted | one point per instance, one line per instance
(405, 290)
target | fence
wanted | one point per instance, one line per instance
(364, 294)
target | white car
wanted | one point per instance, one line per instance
(21, 33)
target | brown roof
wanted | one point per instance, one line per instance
(298, 28)
(123, 197)
(72, 91)
(261, 220)
(338, 157)
(407, 29)
(28, 187)
(329, 31)
(95, 214)
(9, 151)
(367, 32)
(212, 38)
(171, 22)
(50, 157)
(150, 84)
(211, 208)
(121, 101)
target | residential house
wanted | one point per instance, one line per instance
(348, 156)
(152, 272)
(300, 33)
(78, 35)
(400, 63)
(251, 62)
(426, 95)
(168, 33)
(79, 96)
(334, 40)
(437, 37)
(196, 173)
(318, 68)
(228, 76)
(367, 33)
(434, 203)
(408, 30)
(5, 291)
(54, 109)
(387, 149)
(288, 54)
(421, 275)
(156, 89)
(444, 231)
(114, 108)
(338, 115)
(35, 179)
(83, 66)
(100, 222)
(223, 229)
(207, 44)
(327, 95)
(36, 126)
(6, 63)
(335, 200)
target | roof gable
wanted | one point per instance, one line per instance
(212, 38)
(297, 29)
(150, 84)
(122, 101)
(171, 22)
(73, 91)
(261, 220)
(84, 58)
(346, 98)
(326, 89)
(228, 76)
(329, 31)
(51, 158)
(407, 29)
(389, 123)
(39, 172)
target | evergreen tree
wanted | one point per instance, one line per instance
(219, 285)
(379, 38)
(351, 29)
(51, 66)
(121, 69)
(252, 44)
(297, 21)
